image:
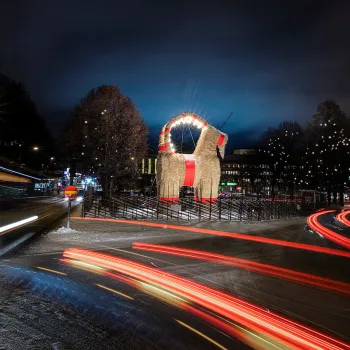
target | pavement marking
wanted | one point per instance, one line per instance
(114, 291)
(49, 270)
(200, 334)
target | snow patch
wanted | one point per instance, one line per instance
(64, 230)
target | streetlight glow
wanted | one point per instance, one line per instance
(35, 148)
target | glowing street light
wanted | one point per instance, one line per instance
(35, 148)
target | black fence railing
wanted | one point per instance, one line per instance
(186, 209)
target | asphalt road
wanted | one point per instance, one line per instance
(95, 310)
(48, 210)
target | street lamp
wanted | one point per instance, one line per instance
(35, 148)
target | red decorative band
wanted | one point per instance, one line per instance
(167, 129)
(221, 139)
(167, 144)
(161, 133)
(161, 148)
(205, 199)
(169, 199)
(190, 163)
(205, 124)
(195, 116)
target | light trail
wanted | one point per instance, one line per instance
(254, 340)
(201, 334)
(258, 319)
(50, 270)
(290, 275)
(241, 236)
(314, 224)
(115, 291)
(17, 224)
(342, 218)
(18, 173)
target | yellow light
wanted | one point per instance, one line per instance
(114, 291)
(35, 148)
(53, 271)
(201, 334)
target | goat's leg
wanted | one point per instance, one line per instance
(169, 191)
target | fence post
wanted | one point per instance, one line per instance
(220, 208)
(241, 209)
(211, 185)
(157, 209)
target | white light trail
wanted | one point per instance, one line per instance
(18, 223)
(18, 173)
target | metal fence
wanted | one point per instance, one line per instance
(186, 209)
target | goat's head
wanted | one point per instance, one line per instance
(210, 140)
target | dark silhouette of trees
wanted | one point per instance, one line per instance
(282, 149)
(108, 137)
(317, 159)
(21, 127)
(327, 154)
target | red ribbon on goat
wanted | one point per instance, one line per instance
(190, 163)
(221, 139)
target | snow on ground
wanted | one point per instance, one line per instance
(90, 234)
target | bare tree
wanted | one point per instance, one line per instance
(108, 136)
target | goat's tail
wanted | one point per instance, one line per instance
(165, 144)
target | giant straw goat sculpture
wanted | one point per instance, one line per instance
(200, 169)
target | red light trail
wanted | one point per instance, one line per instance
(293, 276)
(241, 236)
(326, 232)
(287, 332)
(342, 218)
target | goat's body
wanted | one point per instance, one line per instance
(171, 167)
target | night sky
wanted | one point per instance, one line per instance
(266, 61)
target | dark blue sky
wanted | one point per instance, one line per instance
(266, 61)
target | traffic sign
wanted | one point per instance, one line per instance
(70, 192)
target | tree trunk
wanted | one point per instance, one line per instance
(105, 186)
(110, 188)
(329, 197)
(273, 187)
(334, 197)
(341, 195)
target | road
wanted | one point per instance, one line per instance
(42, 213)
(119, 304)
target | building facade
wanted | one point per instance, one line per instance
(245, 171)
